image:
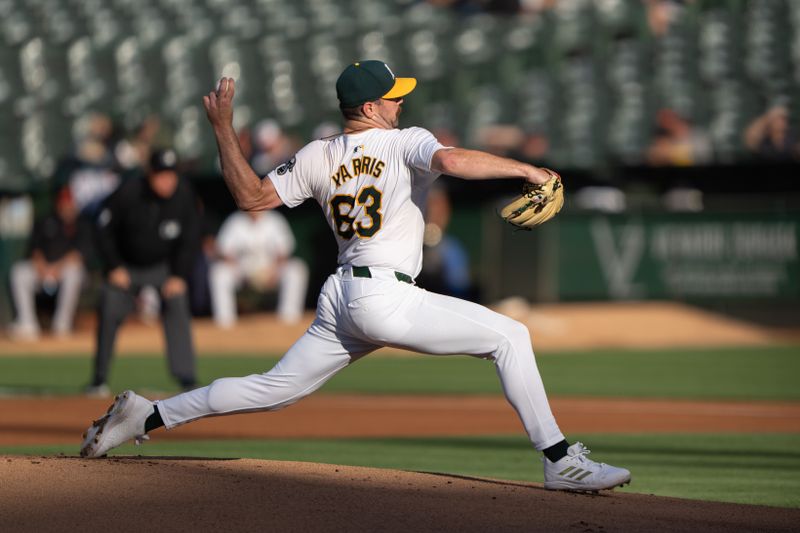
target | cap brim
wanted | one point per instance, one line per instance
(402, 86)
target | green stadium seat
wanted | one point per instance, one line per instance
(587, 74)
(733, 107)
(17, 27)
(768, 58)
(629, 119)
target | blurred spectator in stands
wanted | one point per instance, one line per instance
(501, 7)
(534, 148)
(536, 6)
(58, 248)
(271, 147)
(445, 263)
(661, 14)
(133, 152)
(469, 7)
(326, 129)
(770, 137)
(89, 171)
(465, 7)
(499, 139)
(445, 135)
(677, 142)
(147, 236)
(255, 248)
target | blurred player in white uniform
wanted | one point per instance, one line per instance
(255, 248)
(371, 182)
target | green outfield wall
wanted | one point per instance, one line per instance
(679, 256)
(686, 256)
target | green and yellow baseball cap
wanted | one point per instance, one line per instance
(369, 80)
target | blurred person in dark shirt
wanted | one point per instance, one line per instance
(147, 235)
(90, 171)
(58, 246)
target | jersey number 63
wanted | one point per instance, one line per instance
(368, 224)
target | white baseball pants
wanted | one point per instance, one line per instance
(355, 316)
(225, 279)
(24, 284)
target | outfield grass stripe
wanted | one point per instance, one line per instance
(766, 373)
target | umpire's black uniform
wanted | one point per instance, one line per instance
(150, 234)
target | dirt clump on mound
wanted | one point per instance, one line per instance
(171, 494)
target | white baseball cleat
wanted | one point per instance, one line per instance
(123, 421)
(576, 472)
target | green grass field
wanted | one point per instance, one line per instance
(759, 469)
(740, 373)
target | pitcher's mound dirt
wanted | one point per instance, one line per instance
(174, 494)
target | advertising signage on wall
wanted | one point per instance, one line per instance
(700, 256)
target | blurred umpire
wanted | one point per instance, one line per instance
(147, 236)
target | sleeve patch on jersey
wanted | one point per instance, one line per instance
(286, 167)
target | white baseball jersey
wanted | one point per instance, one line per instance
(255, 244)
(372, 186)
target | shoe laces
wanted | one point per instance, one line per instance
(582, 452)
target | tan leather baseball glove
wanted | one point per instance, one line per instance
(537, 204)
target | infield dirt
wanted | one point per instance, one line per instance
(175, 494)
(554, 327)
(42, 420)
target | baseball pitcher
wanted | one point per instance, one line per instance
(371, 181)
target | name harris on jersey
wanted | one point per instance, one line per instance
(362, 164)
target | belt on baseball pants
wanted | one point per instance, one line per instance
(363, 272)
